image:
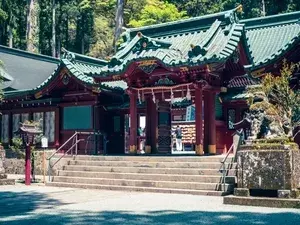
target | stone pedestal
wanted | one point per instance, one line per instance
(269, 169)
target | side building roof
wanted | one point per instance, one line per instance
(269, 38)
(24, 70)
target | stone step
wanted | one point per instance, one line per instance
(179, 171)
(3, 176)
(144, 183)
(140, 189)
(204, 165)
(7, 182)
(144, 176)
(262, 202)
(217, 159)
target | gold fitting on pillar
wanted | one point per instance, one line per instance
(132, 149)
(147, 149)
(199, 150)
(212, 149)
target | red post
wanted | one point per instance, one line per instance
(199, 123)
(149, 107)
(211, 139)
(57, 126)
(27, 165)
(133, 122)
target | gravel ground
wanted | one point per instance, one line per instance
(42, 205)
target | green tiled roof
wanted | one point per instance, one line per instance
(269, 38)
(80, 67)
(24, 70)
(191, 42)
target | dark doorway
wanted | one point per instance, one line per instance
(164, 128)
(114, 124)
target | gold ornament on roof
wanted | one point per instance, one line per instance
(240, 8)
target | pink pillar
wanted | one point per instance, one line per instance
(27, 165)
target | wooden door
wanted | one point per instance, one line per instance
(164, 128)
(115, 133)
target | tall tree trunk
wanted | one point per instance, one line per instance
(10, 36)
(32, 25)
(29, 25)
(58, 47)
(263, 8)
(53, 29)
(119, 22)
(67, 33)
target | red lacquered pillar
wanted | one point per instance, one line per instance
(199, 122)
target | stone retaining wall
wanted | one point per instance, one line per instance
(2, 157)
(17, 166)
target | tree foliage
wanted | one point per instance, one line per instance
(87, 26)
(156, 11)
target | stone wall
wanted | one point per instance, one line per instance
(17, 166)
(2, 157)
(269, 169)
(296, 167)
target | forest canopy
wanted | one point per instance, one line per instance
(88, 26)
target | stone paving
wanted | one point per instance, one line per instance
(40, 205)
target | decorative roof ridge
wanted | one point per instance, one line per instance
(272, 20)
(234, 37)
(228, 16)
(82, 58)
(27, 54)
(138, 43)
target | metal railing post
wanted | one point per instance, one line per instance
(49, 167)
(224, 177)
(76, 146)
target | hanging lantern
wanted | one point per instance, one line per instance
(153, 96)
(163, 95)
(172, 96)
(188, 94)
(143, 97)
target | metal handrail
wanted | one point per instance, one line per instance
(51, 166)
(75, 142)
(224, 167)
(62, 145)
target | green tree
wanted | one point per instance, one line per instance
(102, 43)
(156, 11)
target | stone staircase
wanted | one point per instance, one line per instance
(164, 174)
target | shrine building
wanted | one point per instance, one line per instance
(191, 73)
